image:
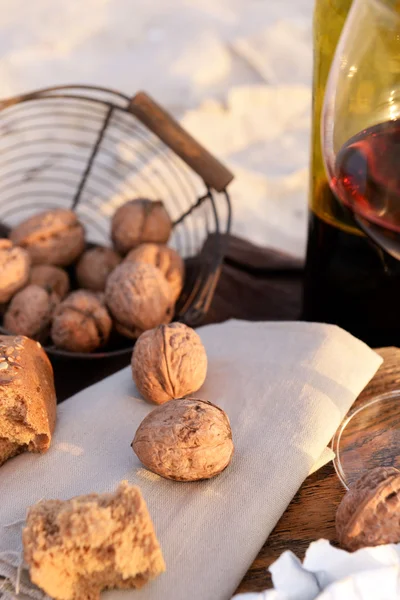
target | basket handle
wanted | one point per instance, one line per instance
(167, 129)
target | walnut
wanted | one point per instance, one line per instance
(139, 298)
(30, 312)
(53, 237)
(185, 440)
(169, 362)
(368, 515)
(94, 267)
(52, 279)
(164, 258)
(139, 221)
(14, 269)
(81, 323)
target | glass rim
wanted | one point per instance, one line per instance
(335, 443)
(392, 10)
(386, 6)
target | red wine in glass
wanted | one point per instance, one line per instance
(367, 182)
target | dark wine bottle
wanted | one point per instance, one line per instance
(350, 280)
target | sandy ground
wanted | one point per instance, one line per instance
(236, 72)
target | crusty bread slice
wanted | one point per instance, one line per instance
(27, 397)
(79, 547)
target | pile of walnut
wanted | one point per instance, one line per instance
(368, 514)
(185, 439)
(119, 291)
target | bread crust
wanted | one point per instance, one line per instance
(28, 402)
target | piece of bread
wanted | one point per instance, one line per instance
(27, 397)
(79, 547)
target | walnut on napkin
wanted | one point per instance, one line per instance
(185, 440)
(79, 547)
(169, 362)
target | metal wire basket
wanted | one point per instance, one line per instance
(92, 149)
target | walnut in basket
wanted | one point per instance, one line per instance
(94, 267)
(169, 362)
(51, 278)
(54, 237)
(14, 269)
(81, 323)
(139, 221)
(368, 515)
(164, 258)
(30, 312)
(139, 298)
(185, 440)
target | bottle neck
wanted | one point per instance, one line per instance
(329, 19)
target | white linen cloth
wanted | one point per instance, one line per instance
(285, 387)
(328, 573)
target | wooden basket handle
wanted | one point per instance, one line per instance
(167, 129)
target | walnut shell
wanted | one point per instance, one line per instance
(52, 279)
(138, 297)
(139, 221)
(81, 323)
(94, 267)
(14, 269)
(185, 440)
(169, 362)
(164, 258)
(368, 514)
(53, 237)
(30, 312)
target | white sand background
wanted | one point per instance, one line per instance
(237, 74)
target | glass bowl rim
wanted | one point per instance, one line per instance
(338, 433)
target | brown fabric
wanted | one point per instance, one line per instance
(256, 284)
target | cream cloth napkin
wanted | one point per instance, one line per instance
(285, 387)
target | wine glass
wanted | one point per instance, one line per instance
(361, 149)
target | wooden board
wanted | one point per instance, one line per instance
(311, 514)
